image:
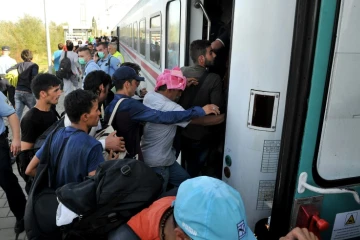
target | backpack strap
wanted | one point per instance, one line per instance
(109, 61)
(193, 95)
(58, 159)
(114, 111)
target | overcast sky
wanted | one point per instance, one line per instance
(68, 10)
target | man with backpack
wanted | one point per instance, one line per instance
(69, 70)
(79, 153)
(107, 62)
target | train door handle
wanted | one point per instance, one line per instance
(198, 4)
(309, 217)
(302, 185)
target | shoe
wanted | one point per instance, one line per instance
(19, 227)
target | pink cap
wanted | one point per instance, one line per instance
(173, 79)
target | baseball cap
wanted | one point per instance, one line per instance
(126, 73)
(5, 48)
(207, 208)
(173, 79)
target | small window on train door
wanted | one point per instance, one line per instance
(173, 16)
(135, 32)
(142, 37)
(155, 40)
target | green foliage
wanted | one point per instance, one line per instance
(29, 33)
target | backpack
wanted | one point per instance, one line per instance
(64, 68)
(41, 206)
(119, 190)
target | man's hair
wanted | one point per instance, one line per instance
(113, 44)
(104, 44)
(198, 48)
(90, 44)
(43, 82)
(94, 79)
(77, 103)
(69, 45)
(84, 49)
(119, 84)
(162, 88)
(79, 42)
(26, 55)
(134, 66)
(60, 46)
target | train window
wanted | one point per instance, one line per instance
(142, 35)
(173, 34)
(339, 151)
(155, 22)
(135, 31)
(155, 39)
(263, 110)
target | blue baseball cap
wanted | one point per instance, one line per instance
(207, 208)
(126, 73)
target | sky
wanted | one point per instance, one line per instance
(69, 11)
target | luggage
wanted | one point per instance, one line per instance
(64, 68)
(119, 190)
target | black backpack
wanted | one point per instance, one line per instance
(119, 190)
(64, 68)
(41, 206)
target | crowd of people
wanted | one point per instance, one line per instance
(185, 103)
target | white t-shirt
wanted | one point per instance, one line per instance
(6, 62)
(157, 141)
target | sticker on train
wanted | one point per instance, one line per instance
(346, 225)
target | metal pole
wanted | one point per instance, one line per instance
(48, 48)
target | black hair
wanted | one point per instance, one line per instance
(104, 44)
(26, 55)
(198, 48)
(119, 84)
(162, 88)
(43, 82)
(94, 79)
(69, 45)
(134, 66)
(79, 102)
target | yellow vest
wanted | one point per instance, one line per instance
(12, 77)
(120, 56)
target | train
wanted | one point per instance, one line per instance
(293, 114)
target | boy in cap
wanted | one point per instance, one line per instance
(157, 141)
(204, 208)
(131, 112)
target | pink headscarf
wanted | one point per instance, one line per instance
(173, 79)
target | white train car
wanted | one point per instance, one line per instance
(287, 59)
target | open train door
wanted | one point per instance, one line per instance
(319, 169)
(262, 37)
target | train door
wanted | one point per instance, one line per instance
(325, 155)
(262, 36)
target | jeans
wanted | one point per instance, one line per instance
(173, 174)
(9, 183)
(70, 84)
(21, 99)
(195, 154)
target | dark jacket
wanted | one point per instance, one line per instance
(210, 92)
(27, 71)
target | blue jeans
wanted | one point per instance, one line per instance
(173, 174)
(23, 99)
(195, 154)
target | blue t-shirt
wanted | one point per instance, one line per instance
(56, 56)
(5, 110)
(82, 154)
(109, 68)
